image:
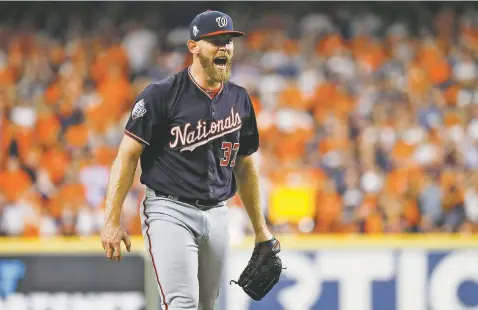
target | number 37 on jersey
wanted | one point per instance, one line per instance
(230, 153)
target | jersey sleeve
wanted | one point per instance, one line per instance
(143, 116)
(249, 139)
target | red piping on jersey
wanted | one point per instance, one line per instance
(214, 93)
(163, 297)
(132, 135)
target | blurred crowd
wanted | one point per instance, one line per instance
(367, 125)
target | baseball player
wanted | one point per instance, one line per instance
(193, 133)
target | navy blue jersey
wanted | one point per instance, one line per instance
(191, 138)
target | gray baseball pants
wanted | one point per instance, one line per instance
(187, 247)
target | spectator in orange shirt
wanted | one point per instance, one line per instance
(14, 181)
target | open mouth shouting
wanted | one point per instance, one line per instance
(220, 62)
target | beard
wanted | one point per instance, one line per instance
(213, 74)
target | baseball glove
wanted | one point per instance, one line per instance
(263, 270)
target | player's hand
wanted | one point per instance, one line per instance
(111, 237)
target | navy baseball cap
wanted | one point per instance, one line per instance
(211, 23)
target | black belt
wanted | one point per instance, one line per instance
(194, 202)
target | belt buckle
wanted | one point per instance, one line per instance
(173, 197)
(200, 205)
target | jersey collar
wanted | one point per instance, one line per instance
(202, 89)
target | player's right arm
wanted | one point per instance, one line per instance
(138, 135)
(121, 177)
(120, 181)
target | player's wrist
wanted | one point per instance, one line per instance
(112, 220)
(263, 235)
(115, 223)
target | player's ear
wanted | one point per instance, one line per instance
(193, 46)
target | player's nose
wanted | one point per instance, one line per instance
(222, 47)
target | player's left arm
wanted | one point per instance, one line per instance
(264, 267)
(247, 178)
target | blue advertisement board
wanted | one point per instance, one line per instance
(71, 282)
(364, 279)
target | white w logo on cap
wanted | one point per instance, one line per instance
(221, 21)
